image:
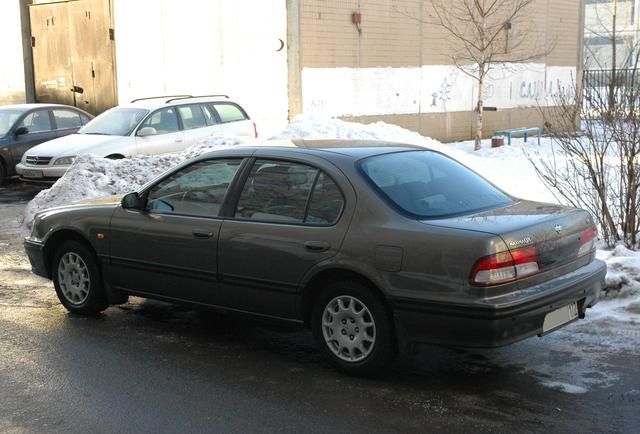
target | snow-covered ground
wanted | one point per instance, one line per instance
(507, 167)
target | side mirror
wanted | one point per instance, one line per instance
(21, 131)
(146, 131)
(131, 201)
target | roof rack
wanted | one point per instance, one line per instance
(161, 96)
(178, 97)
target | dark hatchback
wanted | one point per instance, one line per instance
(375, 246)
(24, 126)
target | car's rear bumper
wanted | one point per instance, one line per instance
(35, 252)
(499, 320)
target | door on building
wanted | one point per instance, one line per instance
(73, 54)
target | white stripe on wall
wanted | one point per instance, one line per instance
(429, 89)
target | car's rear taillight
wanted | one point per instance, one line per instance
(587, 241)
(505, 267)
(255, 130)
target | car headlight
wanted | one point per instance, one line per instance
(63, 161)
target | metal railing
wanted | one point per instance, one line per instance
(603, 78)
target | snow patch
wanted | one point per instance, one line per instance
(563, 387)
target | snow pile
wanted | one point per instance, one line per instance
(318, 127)
(92, 177)
(507, 167)
(623, 271)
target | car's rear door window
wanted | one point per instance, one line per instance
(192, 116)
(289, 192)
(67, 119)
(276, 191)
(229, 112)
(209, 114)
(427, 184)
(326, 201)
(196, 190)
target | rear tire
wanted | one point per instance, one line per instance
(3, 172)
(353, 329)
(78, 280)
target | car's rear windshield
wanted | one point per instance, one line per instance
(115, 122)
(427, 184)
(7, 119)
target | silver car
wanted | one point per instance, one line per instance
(146, 126)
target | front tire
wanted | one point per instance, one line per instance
(77, 279)
(353, 329)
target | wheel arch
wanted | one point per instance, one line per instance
(56, 239)
(331, 275)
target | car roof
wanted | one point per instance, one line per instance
(356, 149)
(152, 103)
(31, 106)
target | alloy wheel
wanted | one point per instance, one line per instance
(73, 275)
(348, 328)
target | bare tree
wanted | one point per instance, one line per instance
(486, 34)
(598, 166)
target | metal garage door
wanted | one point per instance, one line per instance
(73, 53)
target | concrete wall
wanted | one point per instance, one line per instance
(399, 68)
(12, 83)
(229, 47)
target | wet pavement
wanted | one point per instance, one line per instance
(153, 367)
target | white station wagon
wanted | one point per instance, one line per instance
(146, 126)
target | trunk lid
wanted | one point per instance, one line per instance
(557, 233)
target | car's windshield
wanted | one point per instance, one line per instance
(427, 184)
(7, 118)
(115, 122)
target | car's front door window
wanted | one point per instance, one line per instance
(196, 190)
(163, 121)
(37, 121)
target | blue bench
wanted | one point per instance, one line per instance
(518, 132)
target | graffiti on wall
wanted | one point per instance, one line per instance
(428, 89)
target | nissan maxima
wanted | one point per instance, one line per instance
(374, 246)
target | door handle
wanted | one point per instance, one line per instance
(317, 246)
(178, 140)
(202, 233)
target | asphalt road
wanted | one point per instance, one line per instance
(153, 367)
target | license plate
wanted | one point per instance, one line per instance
(559, 317)
(31, 173)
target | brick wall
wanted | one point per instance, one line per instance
(397, 34)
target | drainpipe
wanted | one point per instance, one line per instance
(27, 54)
(580, 59)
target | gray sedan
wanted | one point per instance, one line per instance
(24, 126)
(374, 246)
